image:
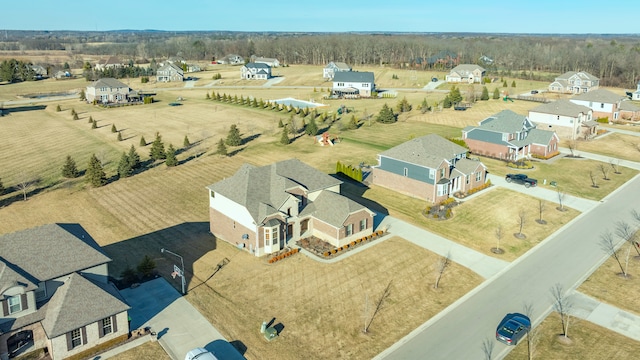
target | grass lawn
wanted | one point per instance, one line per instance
(571, 175)
(617, 146)
(148, 350)
(588, 342)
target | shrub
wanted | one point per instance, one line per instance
(353, 243)
(326, 253)
(346, 246)
(358, 240)
(58, 108)
(604, 120)
(334, 251)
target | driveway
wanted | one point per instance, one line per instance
(178, 325)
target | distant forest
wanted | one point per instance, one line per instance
(615, 59)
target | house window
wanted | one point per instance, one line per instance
(601, 106)
(340, 84)
(274, 235)
(76, 338)
(271, 236)
(468, 178)
(15, 304)
(106, 326)
(442, 172)
(363, 224)
(558, 117)
(213, 194)
(41, 291)
(365, 85)
(406, 172)
(478, 176)
(349, 229)
(432, 173)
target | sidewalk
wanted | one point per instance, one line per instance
(605, 315)
(603, 158)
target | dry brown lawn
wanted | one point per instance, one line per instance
(148, 350)
(616, 146)
(588, 342)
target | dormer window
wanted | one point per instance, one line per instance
(14, 304)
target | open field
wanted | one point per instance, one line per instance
(617, 146)
(589, 342)
(571, 175)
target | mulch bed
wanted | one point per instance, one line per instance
(320, 247)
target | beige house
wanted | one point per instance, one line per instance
(108, 90)
(169, 72)
(568, 119)
(465, 73)
(574, 82)
(329, 71)
(111, 62)
(55, 294)
(267, 61)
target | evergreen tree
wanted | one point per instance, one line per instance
(208, 97)
(504, 84)
(496, 94)
(124, 166)
(424, 107)
(90, 119)
(73, 112)
(233, 138)
(311, 128)
(222, 148)
(133, 158)
(171, 156)
(386, 115)
(284, 137)
(75, 117)
(157, 148)
(119, 136)
(353, 123)
(69, 169)
(403, 105)
(113, 128)
(485, 93)
(83, 96)
(186, 143)
(446, 103)
(513, 84)
(146, 266)
(95, 173)
(94, 125)
(143, 142)
(454, 95)
(58, 109)
(280, 124)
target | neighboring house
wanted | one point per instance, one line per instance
(429, 168)
(193, 68)
(255, 71)
(178, 60)
(353, 84)
(232, 59)
(111, 62)
(465, 73)
(604, 103)
(267, 61)
(39, 70)
(55, 294)
(169, 72)
(510, 136)
(334, 67)
(264, 209)
(569, 120)
(574, 82)
(629, 110)
(444, 58)
(62, 74)
(485, 60)
(636, 94)
(108, 90)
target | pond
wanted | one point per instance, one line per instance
(41, 96)
(301, 104)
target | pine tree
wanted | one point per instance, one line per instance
(186, 143)
(73, 112)
(143, 142)
(222, 148)
(233, 138)
(353, 123)
(69, 169)
(133, 157)
(119, 136)
(90, 119)
(146, 266)
(171, 156)
(424, 107)
(496, 94)
(455, 95)
(311, 128)
(513, 84)
(75, 117)
(95, 173)
(446, 103)
(386, 115)
(124, 166)
(58, 109)
(113, 128)
(280, 124)
(157, 148)
(208, 97)
(94, 125)
(83, 96)
(284, 137)
(403, 105)
(485, 93)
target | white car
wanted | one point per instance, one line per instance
(200, 354)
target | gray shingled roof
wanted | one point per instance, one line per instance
(50, 251)
(467, 68)
(341, 65)
(486, 136)
(561, 107)
(108, 82)
(506, 121)
(257, 65)
(79, 302)
(601, 96)
(262, 190)
(581, 74)
(354, 76)
(172, 66)
(467, 166)
(629, 106)
(10, 274)
(539, 136)
(429, 150)
(332, 208)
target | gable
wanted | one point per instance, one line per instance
(429, 151)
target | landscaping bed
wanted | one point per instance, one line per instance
(325, 250)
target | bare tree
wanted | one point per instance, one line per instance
(594, 182)
(573, 146)
(532, 334)
(563, 306)
(378, 305)
(441, 266)
(626, 233)
(561, 196)
(522, 219)
(25, 183)
(615, 165)
(487, 348)
(541, 207)
(609, 246)
(499, 234)
(605, 171)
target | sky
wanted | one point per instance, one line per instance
(478, 16)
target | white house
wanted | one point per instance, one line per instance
(604, 103)
(169, 72)
(334, 67)
(108, 90)
(636, 94)
(465, 73)
(566, 118)
(353, 84)
(574, 82)
(267, 61)
(255, 71)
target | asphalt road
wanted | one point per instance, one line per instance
(567, 257)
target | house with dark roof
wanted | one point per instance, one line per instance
(566, 118)
(604, 103)
(574, 82)
(273, 62)
(109, 90)
(55, 294)
(510, 136)
(169, 72)
(264, 209)
(629, 110)
(255, 71)
(430, 168)
(112, 62)
(353, 84)
(334, 67)
(466, 73)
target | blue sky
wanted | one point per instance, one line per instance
(524, 16)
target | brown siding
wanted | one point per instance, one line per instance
(403, 184)
(488, 149)
(228, 230)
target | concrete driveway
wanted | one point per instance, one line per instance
(179, 327)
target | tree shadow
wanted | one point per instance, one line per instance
(355, 191)
(250, 138)
(32, 190)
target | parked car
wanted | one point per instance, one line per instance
(521, 179)
(534, 91)
(512, 328)
(200, 354)
(435, 79)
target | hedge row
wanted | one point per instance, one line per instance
(282, 256)
(354, 243)
(481, 187)
(536, 156)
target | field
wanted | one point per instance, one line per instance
(321, 306)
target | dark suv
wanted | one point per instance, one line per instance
(521, 179)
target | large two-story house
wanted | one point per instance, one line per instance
(273, 62)
(111, 62)
(574, 82)
(55, 294)
(264, 209)
(568, 119)
(510, 136)
(466, 73)
(334, 67)
(353, 84)
(108, 90)
(255, 71)
(430, 168)
(603, 103)
(169, 72)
